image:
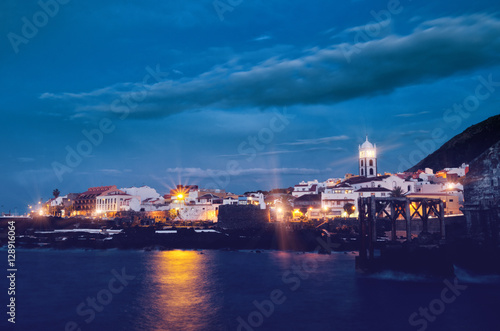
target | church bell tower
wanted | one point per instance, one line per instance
(368, 159)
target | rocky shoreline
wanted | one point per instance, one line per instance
(84, 233)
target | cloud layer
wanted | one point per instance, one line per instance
(435, 49)
(211, 173)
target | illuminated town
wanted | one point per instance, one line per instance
(306, 201)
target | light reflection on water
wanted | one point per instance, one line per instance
(181, 292)
(186, 290)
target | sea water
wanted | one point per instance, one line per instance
(236, 290)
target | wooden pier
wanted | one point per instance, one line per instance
(396, 210)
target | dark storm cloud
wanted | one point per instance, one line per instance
(435, 49)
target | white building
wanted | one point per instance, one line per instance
(154, 204)
(145, 192)
(310, 187)
(209, 199)
(350, 190)
(428, 187)
(460, 171)
(230, 201)
(335, 198)
(57, 201)
(150, 199)
(253, 199)
(117, 201)
(201, 204)
(389, 182)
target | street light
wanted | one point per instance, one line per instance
(325, 212)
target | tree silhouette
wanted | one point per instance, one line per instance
(397, 192)
(56, 193)
(349, 208)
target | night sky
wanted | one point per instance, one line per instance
(254, 95)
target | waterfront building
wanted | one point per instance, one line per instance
(85, 203)
(109, 203)
(62, 205)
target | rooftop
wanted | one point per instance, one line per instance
(373, 189)
(367, 144)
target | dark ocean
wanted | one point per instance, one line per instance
(226, 290)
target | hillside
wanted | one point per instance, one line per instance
(464, 147)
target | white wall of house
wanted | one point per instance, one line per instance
(253, 199)
(334, 203)
(334, 199)
(460, 171)
(427, 187)
(200, 212)
(230, 201)
(144, 192)
(117, 202)
(304, 188)
(389, 183)
(57, 201)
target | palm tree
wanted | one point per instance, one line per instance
(56, 193)
(397, 192)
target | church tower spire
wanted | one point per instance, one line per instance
(368, 159)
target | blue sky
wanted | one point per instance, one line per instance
(253, 95)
